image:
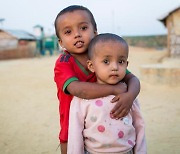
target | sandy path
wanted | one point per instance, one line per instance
(29, 121)
(29, 109)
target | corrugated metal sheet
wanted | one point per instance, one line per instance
(21, 34)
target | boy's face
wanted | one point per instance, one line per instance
(109, 62)
(75, 31)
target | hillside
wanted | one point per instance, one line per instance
(154, 41)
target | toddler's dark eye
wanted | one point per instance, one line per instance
(121, 61)
(106, 61)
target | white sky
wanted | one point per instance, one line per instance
(123, 17)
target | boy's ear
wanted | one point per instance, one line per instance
(90, 66)
(95, 32)
(60, 43)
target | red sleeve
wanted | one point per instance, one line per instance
(64, 71)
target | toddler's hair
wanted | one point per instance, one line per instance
(105, 37)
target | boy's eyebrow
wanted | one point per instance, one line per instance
(84, 22)
(69, 26)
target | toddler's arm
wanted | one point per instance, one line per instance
(76, 127)
(138, 122)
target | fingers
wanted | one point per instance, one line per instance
(122, 106)
(115, 108)
(119, 112)
(115, 99)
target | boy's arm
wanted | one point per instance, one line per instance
(89, 90)
(66, 79)
(125, 100)
(133, 85)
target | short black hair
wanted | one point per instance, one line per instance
(105, 37)
(71, 9)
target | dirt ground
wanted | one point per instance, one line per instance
(29, 121)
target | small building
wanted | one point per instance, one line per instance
(16, 44)
(172, 21)
(45, 43)
(168, 71)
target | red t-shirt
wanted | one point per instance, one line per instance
(68, 69)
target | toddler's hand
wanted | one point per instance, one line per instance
(123, 105)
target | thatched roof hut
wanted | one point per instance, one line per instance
(172, 21)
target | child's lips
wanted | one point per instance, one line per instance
(114, 76)
(79, 44)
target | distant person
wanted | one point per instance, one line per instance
(75, 28)
(91, 127)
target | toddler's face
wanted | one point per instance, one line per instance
(109, 62)
(75, 31)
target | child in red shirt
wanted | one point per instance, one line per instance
(75, 27)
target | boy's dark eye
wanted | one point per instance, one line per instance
(67, 32)
(84, 27)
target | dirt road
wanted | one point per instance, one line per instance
(29, 121)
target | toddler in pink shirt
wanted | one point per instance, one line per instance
(91, 127)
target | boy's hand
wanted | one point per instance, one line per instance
(123, 105)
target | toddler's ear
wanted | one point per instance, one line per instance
(90, 66)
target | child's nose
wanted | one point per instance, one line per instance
(77, 34)
(114, 66)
